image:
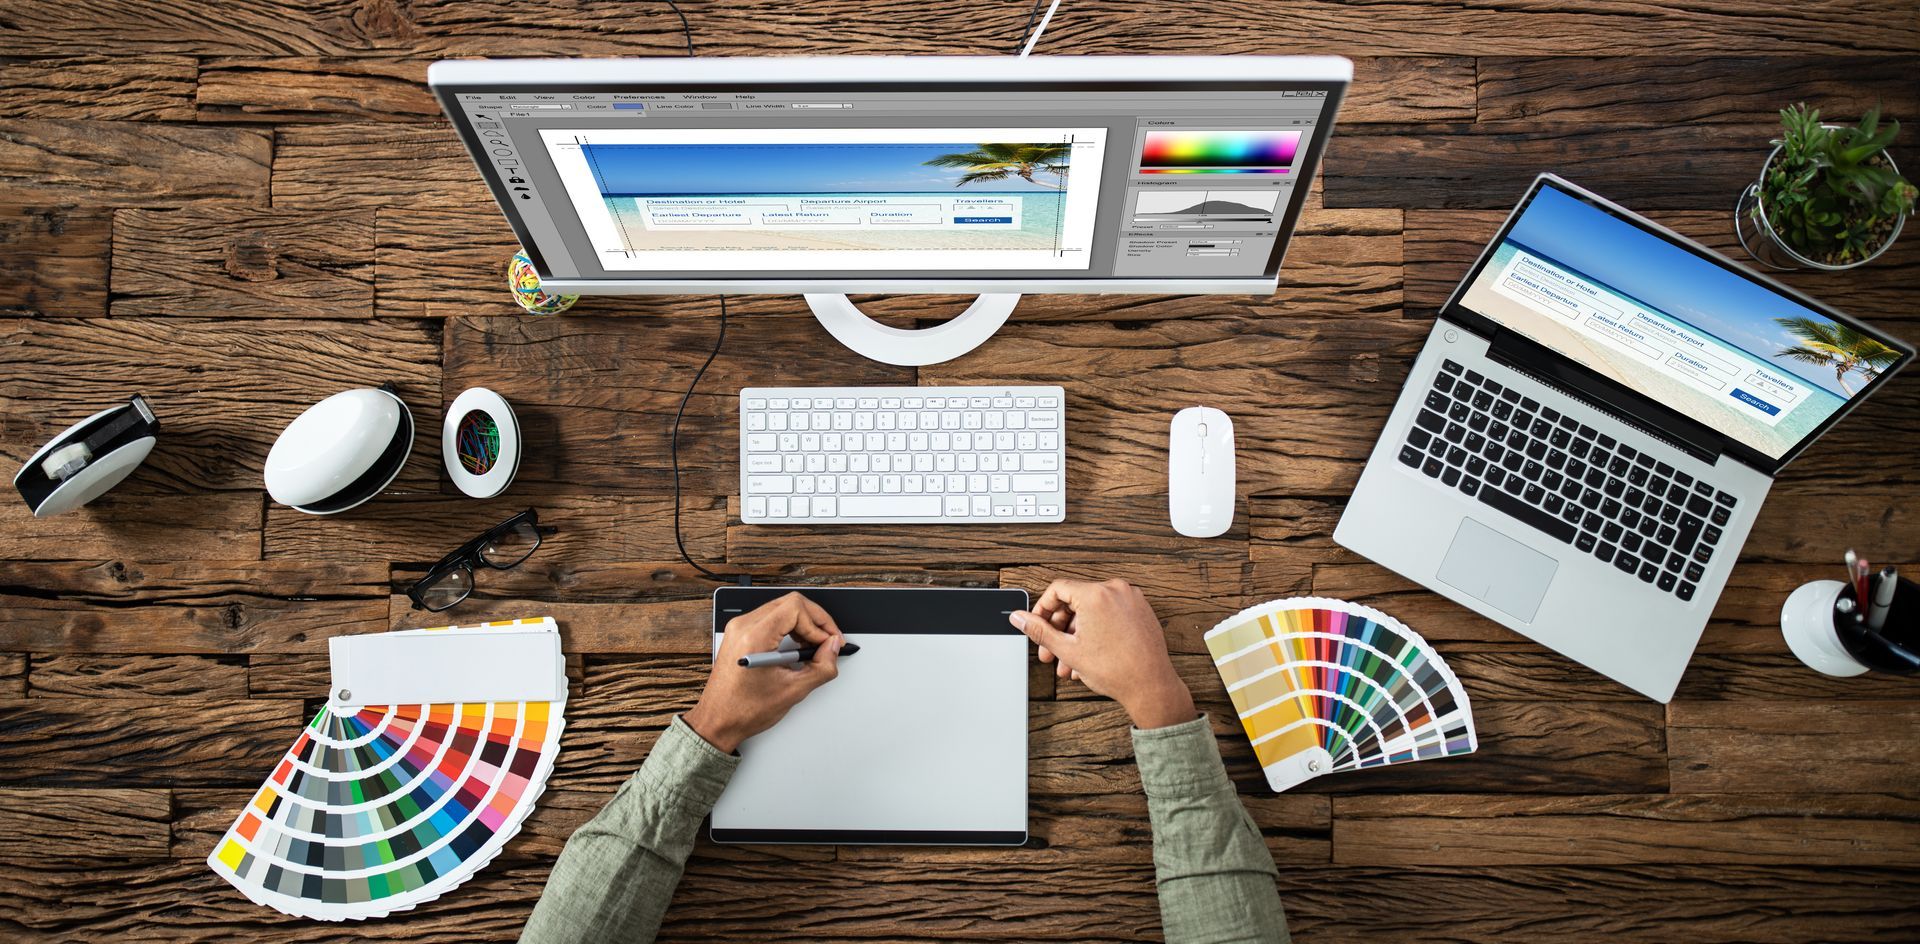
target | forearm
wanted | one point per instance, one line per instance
(617, 873)
(1215, 876)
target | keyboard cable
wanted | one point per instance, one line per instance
(673, 447)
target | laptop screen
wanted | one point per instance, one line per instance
(1628, 303)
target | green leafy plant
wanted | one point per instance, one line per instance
(1831, 193)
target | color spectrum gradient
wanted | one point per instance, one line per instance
(1219, 152)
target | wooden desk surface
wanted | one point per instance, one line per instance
(239, 209)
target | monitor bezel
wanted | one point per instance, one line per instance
(451, 78)
(1672, 423)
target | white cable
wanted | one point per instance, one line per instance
(1042, 28)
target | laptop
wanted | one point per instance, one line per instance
(1587, 435)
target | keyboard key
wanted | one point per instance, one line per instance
(1473, 377)
(1431, 467)
(1500, 501)
(890, 506)
(1685, 591)
(1451, 476)
(1605, 552)
(1430, 421)
(1626, 563)
(1721, 515)
(1585, 542)
(1724, 498)
(770, 484)
(1649, 571)
(1449, 366)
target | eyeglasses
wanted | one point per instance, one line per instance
(503, 547)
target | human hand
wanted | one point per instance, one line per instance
(739, 702)
(1106, 635)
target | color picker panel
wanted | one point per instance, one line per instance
(1219, 152)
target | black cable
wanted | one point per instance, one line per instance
(674, 443)
(1032, 15)
(684, 28)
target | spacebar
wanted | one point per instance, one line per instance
(889, 506)
(1529, 514)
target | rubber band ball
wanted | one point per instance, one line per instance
(524, 280)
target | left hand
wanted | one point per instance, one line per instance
(739, 702)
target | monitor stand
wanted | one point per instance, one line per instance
(917, 347)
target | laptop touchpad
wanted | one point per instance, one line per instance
(1498, 569)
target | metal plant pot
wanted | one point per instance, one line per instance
(1758, 238)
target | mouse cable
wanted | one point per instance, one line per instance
(684, 28)
(673, 446)
(1032, 36)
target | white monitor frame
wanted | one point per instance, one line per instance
(449, 77)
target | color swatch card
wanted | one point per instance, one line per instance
(379, 808)
(1324, 685)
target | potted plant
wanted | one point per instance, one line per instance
(1828, 197)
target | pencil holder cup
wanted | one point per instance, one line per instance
(1835, 641)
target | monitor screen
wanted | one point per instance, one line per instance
(1727, 350)
(905, 179)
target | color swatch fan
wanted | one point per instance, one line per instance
(426, 758)
(1324, 685)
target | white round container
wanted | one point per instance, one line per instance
(341, 452)
(480, 443)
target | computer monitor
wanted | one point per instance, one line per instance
(821, 175)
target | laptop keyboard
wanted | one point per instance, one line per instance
(1567, 479)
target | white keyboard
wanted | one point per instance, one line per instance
(894, 455)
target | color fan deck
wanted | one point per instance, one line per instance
(238, 209)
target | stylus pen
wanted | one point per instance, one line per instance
(792, 656)
(1882, 598)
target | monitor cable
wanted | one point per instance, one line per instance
(684, 28)
(673, 447)
(1031, 36)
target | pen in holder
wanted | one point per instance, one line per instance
(1826, 627)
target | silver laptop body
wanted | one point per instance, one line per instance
(1603, 568)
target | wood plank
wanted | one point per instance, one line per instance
(1490, 164)
(1692, 89)
(343, 166)
(119, 824)
(1442, 244)
(186, 606)
(1780, 677)
(269, 27)
(420, 528)
(1495, 830)
(1124, 383)
(230, 261)
(596, 396)
(207, 526)
(1411, 88)
(122, 88)
(147, 676)
(143, 742)
(1798, 746)
(13, 675)
(315, 88)
(58, 260)
(223, 389)
(1129, 530)
(132, 163)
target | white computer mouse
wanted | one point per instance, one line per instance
(1200, 472)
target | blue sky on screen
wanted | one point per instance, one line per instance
(786, 168)
(1672, 280)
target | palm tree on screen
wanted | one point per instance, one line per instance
(1836, 346)
(987, 162)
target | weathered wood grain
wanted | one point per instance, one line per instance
(138, 742)
(596, 396)
(122, 88)
(223, 526)
(13, 674)
(314, 88)
(1799, 746)
(177, 607)
(118, 824)
(1489, 164)
(57, 260)
(121, 163)
(346, 166)
(223, 389)
(145, 676)
(421, 528)
(1713, 676)
(338, 27)
(242, 262)
(1441, 245)
(1681, 90)
(1297, 387)
(1626, 830)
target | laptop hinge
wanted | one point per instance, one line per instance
(1642, 413)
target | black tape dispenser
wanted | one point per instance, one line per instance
(91, 456)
